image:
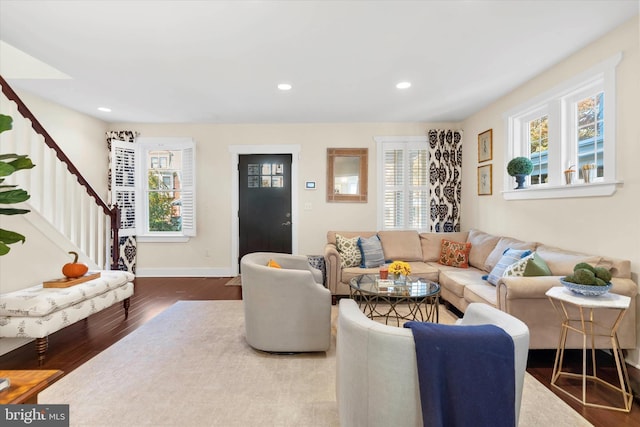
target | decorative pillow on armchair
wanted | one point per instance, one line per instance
(371, 251)
(454, 254)
(349, 251)
(273, 264)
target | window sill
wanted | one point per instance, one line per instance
(594, 189)
(162, 239)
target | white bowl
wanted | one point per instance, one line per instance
(588, 290)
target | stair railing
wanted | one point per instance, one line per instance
(71, 205)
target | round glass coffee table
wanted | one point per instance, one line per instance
(377, 298)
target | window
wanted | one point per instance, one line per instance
(403, 172)
(154, 183)
(565, 128)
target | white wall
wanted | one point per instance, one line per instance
(82, 138)
(600, 225)
(214, 186)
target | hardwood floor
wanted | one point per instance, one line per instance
(74, 345)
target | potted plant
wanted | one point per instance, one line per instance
(520, 167)
(11, 194)
(568, 174)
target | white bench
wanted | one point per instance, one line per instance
(37, 312)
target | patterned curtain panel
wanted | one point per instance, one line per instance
(445, 186)
(125, 200)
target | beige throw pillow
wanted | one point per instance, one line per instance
(481, 246)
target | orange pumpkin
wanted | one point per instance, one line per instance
(74, 269)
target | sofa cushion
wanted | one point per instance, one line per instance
(517, 268)
(431, 243)
(481, 246)
(537, 267)
(481, 292)
(455, 254)
(504, 244)
(509, 257)
(401, 245)
(37, 301)
(371, 251)
(561, 262)
(349, 251)
(456, 279)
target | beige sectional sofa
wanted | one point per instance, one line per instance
(522, 297)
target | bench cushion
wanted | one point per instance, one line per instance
(37, 301)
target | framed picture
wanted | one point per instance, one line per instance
(484, 180)
(485, 146)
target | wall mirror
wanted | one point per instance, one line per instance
(347, 174)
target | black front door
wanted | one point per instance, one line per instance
(264, 203)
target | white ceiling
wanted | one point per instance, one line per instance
(220, 61)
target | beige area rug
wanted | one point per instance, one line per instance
(191, 366)
(235, 281)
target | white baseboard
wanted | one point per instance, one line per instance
(184, 272)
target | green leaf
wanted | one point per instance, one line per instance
(13, 196)
(7, 186)
(9, 237)
(11, 156)
(4, 249)
(6, 169)
(5, 122)
(11, 211)
(22, 163)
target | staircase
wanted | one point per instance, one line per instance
(63, 204)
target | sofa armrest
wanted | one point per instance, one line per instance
(511, 288)
(333, 268)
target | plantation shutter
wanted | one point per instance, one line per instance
(418, 205)
(188, 193)
(405, 176)
(123, 184)
(393, 189)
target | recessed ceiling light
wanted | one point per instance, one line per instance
(403, 85)
(284, 86)
(104, 109)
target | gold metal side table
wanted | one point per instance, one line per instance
(584, 324)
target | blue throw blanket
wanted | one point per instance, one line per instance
(466, 375)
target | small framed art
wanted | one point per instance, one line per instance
(485, 146)
(484, 180)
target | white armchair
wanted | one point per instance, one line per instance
(285, 309)
(377, 373)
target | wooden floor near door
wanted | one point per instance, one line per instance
(74, 345)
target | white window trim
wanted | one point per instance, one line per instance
(169, 143)
(400, 141)
(551, 100)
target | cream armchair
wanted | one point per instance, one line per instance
(285, 309)
(377, 373)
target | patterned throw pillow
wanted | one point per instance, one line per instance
(517, 268)
(349, 251)
(509, 257)
(371, 250)
(454, 254)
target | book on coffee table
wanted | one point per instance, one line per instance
(5, 383)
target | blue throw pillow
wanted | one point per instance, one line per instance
(371, 250)
(509, 256)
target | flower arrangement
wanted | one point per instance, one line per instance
(400, 267)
